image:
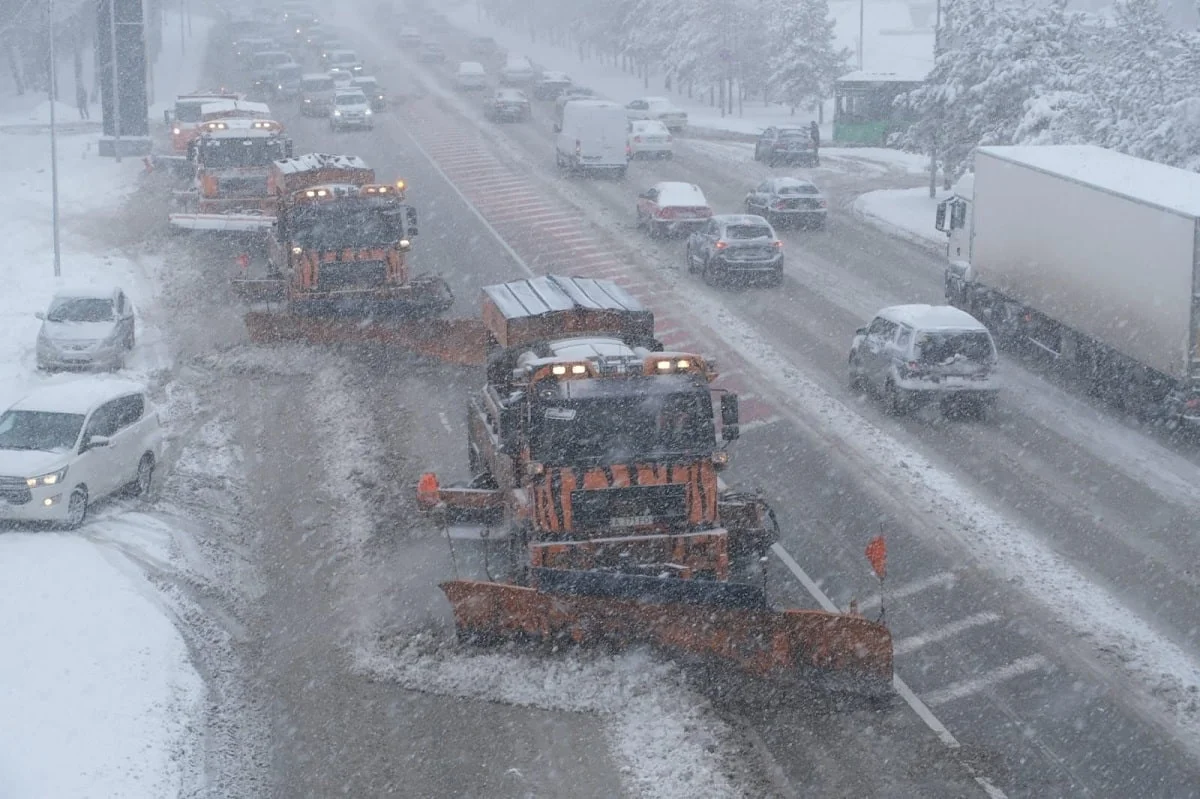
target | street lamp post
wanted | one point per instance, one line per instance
(862, 6)
(116, 85)
(54, 147)
(937, 36)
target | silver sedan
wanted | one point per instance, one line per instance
(86, 330)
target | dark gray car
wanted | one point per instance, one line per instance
(789, 201)
(736, 248)
(86, 329)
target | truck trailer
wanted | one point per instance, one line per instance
(1090, 256)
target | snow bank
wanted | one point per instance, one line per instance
(908, 213)
(98, 695)
(665, 734)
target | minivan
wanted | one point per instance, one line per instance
(914, 354)
(592, 137)
(316, 94)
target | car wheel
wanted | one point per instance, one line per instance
(140, 487)
(894, 400)
(669, 156)
(621, 173)
(858, 383)
(690, 260)
(77, 508)
(710, 273)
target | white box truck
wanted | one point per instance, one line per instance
(1090, 256)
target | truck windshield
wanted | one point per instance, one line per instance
(622, 428)
(346, 224)
(189, 112)
(946, 347)
(226, 153)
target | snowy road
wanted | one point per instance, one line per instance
(1021, 685)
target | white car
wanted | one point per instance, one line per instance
(67, 445)
(470, 75)
(659, 108)
(517, 71)
(913, 354)
(86, 329)
(649, 138)
(351, 109)
(342, 78)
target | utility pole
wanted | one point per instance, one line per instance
(54, 147)
(937, 37)
(116, 83)
(862, 6)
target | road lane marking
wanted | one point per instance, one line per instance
(445, 422)
(911, 644)
(911, 699)
(939, 580)
(965, 688)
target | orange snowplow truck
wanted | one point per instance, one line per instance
(183, 121)
(595, 454)
(340, 242)
(230, 189)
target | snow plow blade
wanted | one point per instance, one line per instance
(724, 624)
(222, 223)
(458, 341)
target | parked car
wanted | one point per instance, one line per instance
(736, 248)
(551, 85)
(369, 86)
(66, 445)
(786, 146)
(432, 53)
(671, 207)
(86, 329)
(351, 109)
(517, 71)
(470, 76)
(659, 108)
(649, 138)
(788, 201)
(913, 354)
(483, 46)
(590, 137)
(409, 36)
(508, 105)
(316, 94)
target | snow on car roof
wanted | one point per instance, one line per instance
(549, 76)
(77, 396)
(1169, 188)
(314, 76)
(674, 193)
(932, 317)
(787, 182)
(470, 66)
(102, 291)
(365, 79)
(741, 219)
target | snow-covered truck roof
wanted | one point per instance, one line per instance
(235, 106)
(313, 169)
(547, 308)
(1166, 187)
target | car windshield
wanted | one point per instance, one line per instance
(39, 430)
(616, 429)
(319, 85)
(81, 309)
(347, 224)
(946, 347)
(351, 99)
(747, 232)
(344, 58)
(798, 188)
(227, 153)
(289, 72)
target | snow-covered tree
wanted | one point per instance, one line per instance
(801, 62)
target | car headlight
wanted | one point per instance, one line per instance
(307, 99)
(367, 112)
(337, 113)
(54, 478)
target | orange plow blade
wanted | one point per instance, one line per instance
(835, 651)
(458, 341)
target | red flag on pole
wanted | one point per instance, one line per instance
(877, 554)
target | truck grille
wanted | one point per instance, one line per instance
(346, 275)
(629, 507)
(243, 187)
(14, 491)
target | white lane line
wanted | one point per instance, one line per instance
(445, 422)
(914, 642)
(902, 690)
(961, 690)
(518, 260)
(526, 214)
(754, 424)
(938, 580)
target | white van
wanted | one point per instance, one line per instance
(517, 71)
(470, 75)
(592, 137)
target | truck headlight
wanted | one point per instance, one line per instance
(367, 112)
(337, 113)
(47, 479)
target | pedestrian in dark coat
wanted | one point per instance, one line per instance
(81, 100)
(815, 131)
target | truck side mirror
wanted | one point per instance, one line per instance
(410, 217)
(958, 214)
(729, 417)
(940, 221)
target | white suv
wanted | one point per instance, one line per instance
(67, 445)
(351, 109)
(912, 354)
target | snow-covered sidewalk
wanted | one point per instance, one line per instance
(907, 213)
(99, 696)
(892, 44)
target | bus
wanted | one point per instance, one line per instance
(865, 112)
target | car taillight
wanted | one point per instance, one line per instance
(1192, 404)
(704, 213)
(821, 203)
(912, 367)
(720, 245)
(781, 204)
(666, 213)
(637, 139)
(670, 139)
(778, 244)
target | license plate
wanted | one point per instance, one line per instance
(631, 521)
